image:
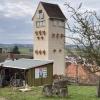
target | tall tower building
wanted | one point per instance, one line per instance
(49, 32)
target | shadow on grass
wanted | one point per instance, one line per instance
(55, 98)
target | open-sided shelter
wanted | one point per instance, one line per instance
(34, 72)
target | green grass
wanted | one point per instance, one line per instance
(25, 50)
(75, 93)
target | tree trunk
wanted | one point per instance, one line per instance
(99, 88)
(47, 90)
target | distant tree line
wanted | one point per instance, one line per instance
(15, 50)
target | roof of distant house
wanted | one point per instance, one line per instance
(25, 63)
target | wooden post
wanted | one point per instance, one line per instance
(25, 77)
(77, 73)
(98, 91)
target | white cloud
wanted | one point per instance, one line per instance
(13, 9)
(24, 9)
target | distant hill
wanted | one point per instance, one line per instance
(72, 47)
(23, 48)
(19, 45)
(31, 46)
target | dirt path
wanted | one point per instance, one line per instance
(2, 98)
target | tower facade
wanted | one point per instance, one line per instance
(49, 32)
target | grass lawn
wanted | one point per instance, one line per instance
(75, 93)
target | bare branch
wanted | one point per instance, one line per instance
(87, 25)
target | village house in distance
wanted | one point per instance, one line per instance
(49, 32)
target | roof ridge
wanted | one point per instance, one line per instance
(49, 3)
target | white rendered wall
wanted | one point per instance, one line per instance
(57, 44)
(49, 44)
(41, 44)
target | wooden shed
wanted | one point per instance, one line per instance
(35, 72)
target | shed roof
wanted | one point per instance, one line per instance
(25, 63)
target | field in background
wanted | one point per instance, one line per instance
(27, 51)
(75, 93)
(23, 48)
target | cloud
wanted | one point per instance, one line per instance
(1, 30)
(15, 30)
(16, 38)
(15, 9)
(15, 17)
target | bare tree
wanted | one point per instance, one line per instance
(87, 25)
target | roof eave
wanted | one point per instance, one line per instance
(23, 68)
(39, 65)
(36, 11)
(65, 19)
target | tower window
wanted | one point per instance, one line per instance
(44, 52)
(38, 38)
(40, 32)
(60, 50)
(42, 37)
(57, 35)
(54, 50)
(40, 52)
(44, 32)
(62, 35)
(40, 23)
(40, 11)
(40, 14)
(43, 23)
(37, 24)
(36, 32)
(36, 51)
(53, 35)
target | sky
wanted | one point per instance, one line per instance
(16, 17)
